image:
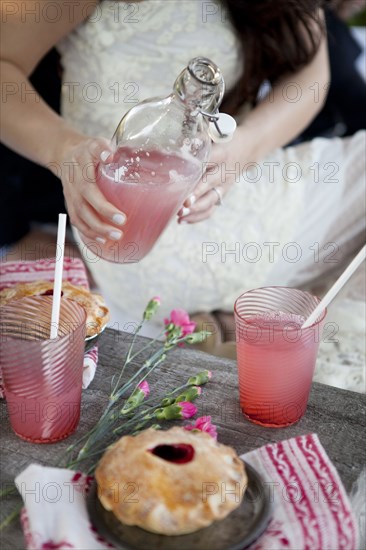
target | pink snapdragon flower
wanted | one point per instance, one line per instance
(151, 308)
(144, 387)
(203, 424)
(137, 397)
(176, 411)
(188, 409)
(180, 318)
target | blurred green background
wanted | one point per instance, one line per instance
(358, 20)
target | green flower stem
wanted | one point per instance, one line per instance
(71, 448)
(87, 436)
(159, 356)
(147, 401)
(143, 415)
(146, 365)
(84, 453)
(134, 340)
(91, 469)
(10, 491)
(149, 344)
(104, 423)
(70, 465)
(11, 517)
(128, 358)
(159, 361)
(141, 425)
(140, 416)
(131, 421)
(136, 418)
(139, 428)
(97, 426)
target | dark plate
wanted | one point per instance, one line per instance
(90, 341)
(237, 531)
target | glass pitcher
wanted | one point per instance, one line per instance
(161, 147)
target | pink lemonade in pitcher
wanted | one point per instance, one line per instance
(276, 360)
(161, 146)
(167, 178)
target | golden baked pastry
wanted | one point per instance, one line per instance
(170, 482)
(94, 305)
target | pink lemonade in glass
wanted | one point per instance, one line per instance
(42, 377)
(276, 357)
(150, 187)
(46, 418)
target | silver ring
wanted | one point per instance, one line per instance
(219, 201)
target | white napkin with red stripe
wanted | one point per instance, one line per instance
(310, 508)
(12, 273)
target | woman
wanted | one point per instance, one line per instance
(288, 215)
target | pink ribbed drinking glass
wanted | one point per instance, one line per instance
(276, 357)
(42, 377)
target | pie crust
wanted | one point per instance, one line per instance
(170, 498)
(94, 305)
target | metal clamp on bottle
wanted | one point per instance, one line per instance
(221, 128)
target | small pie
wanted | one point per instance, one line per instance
(170, 482)
(94, 305)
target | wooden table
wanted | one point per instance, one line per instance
(337, 416)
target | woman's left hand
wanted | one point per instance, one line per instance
(222, 171)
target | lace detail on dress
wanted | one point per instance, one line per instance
(125, 53)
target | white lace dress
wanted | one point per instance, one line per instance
(290, 219)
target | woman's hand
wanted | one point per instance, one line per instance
(222, 171)
(88, 209)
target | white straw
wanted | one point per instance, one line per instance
(347, 273)
(55, 316)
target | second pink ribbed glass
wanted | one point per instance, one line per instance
(42, 377)
(276, 357)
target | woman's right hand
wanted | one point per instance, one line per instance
(88, 209)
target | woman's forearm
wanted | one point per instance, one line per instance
(289, 108)
(29, 126)
(34, 130)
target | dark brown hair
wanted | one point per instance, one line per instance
(277, 37)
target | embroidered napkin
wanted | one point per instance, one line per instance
(310, 508)
(12, 273)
